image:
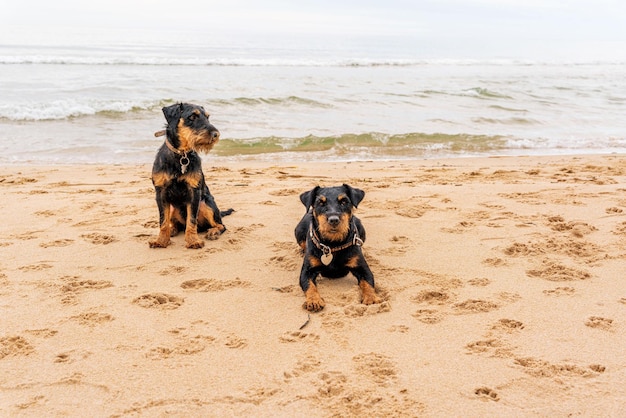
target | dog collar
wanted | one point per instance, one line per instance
(356, 240)
(184, 161)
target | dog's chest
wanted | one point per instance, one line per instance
(178, 190)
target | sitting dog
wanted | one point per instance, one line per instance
(331, 238)
(182, 196)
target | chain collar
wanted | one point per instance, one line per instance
(184, 160)
(356, 240)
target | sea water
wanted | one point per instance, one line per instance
(94, 102)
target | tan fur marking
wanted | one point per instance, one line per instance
(339, 233)
(185, 136)
(205, 213)
(163, 240)
(192, 140)
(314, 261)
(161, 178)
(314, 301)
(353, 262)
(192, 179)
(368, 294)
(192, 240)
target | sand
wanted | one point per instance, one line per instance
(503, 282)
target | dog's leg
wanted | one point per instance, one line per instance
(368, 294)
(191, 229)
(313, 301)
(163, 240)
(208, 215)
(365, 278)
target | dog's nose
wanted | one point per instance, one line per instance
(333, 220)
(215, 134)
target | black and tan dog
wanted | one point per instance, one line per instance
(182, 195)
(331, 238)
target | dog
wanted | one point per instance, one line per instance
(331, 238)
(182, 195)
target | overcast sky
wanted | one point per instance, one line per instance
(516, 28)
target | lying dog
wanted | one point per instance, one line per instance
(182, 196)
(331, 238)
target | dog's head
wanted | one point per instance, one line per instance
(189, 129)
(332, 209)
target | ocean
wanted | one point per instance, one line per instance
(96, 102)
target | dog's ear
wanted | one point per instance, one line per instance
(172, 113)
(308, 198)
(355, 195)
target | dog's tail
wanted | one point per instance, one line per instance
(226, 212)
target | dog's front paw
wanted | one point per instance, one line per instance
(314, 305)
(313, 302)
(159, 243)
(194, 243)
(368, 294)
(371, 299)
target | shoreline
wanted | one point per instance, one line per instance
(502, 281)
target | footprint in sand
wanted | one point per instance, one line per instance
(484, 346)
(233, 341)
(306, 365)
(556, 272)
(185, 348)
(212, 285)
(413, 212)
(484, 392)
(459, 228)
(542, 368)
(332, 384)
(73, 286)
(377, 367)
(42, 333)
(285, 192)
(508, 325)
(14, 346)
(357, 310)
(76, 285)
(57, 243)
(479, 281)
(471, 306)
(96, 238)
(432, 297)
(494, 262)
(620, 229)
(287, 263)
(428, 316)
(401, 244)
(36, 267)
(403, 329)
(92, 318)
(600, 323)
(159, 300)
(560, 291)
(298, 336)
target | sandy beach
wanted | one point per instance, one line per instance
(503, 282)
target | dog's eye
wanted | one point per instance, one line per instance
(193, 117)
(344, 201)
